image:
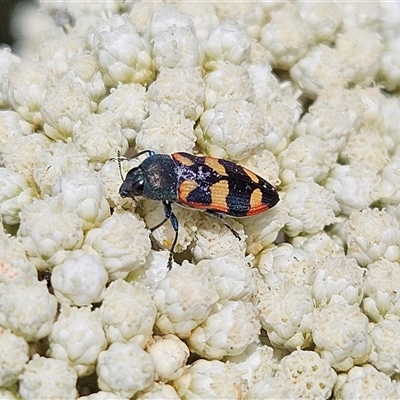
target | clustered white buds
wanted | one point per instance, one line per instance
(300, 301)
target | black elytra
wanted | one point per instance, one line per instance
(216, 186)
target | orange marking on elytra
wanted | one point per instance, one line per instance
(214, 164)
(185, 188)
(182, 159)
(219, 192)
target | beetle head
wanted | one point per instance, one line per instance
(133, 184)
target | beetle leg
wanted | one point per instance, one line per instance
(169, 215)
(221, 218)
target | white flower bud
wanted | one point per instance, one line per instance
(49, 230)
(78, 338)
(184, 299)
(27, 309)
(48, 378)
(15, 195)
(343, 342)
(128, 313)
(80, 279)
(227, 332)
(25, 87)
(13, 357)
(63, 106)
(231, 130)
(209, 380)
(170, 348)
(124, 369)
(123, 243)
(311, 207)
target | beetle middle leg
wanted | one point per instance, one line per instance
(169, 215)
(221, 218)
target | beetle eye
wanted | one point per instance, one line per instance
(133, 184)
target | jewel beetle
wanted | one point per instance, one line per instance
(214, 185)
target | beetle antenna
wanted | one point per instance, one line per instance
(119, 164)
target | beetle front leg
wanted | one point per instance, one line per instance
(169, 215)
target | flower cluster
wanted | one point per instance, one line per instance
(305, 305)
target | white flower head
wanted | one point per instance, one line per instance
(83, 191)
(320, 246)
(78, 338)
(80, 279)
(128, 313)
(130, 103)
(286, 37)
(63, 106)
(321, 70)
(263, 229)
(209, 380)
(381, 296)
(7, 59)
(15, 194)
(100, 136)
(362, 48)
(165, 131)
(390, 184)
(343, 342)
(354, 186)
(265, 84)
(125, 368)
(11, 125)
(168, 16)
(58, 51)
(307, 374)
(366, 146)
(311, 207)
(306, 157)
(123, 242)
(13, 357)
(389, 70)
(181, 89)
(255, 363)
(123, 55)
(365, 382)
(332, 117)
(386, 346)
(59, 159)
(226, 332)
(371, 234)
(231, 130)
(28, 309)
(157, 390)
(177, 47)
(213, 239)
(49, 230)
(337, 276)
(171, 348)
(83, 70)
(284, 263)
(25, 87)
(286, 313)
(14, 264)
(227, 82)
(184, 299)
(48, 377)
(323, 19)
(233, 276)
(265, 164)
(204, 17)
(26, 153)
(228, 42)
